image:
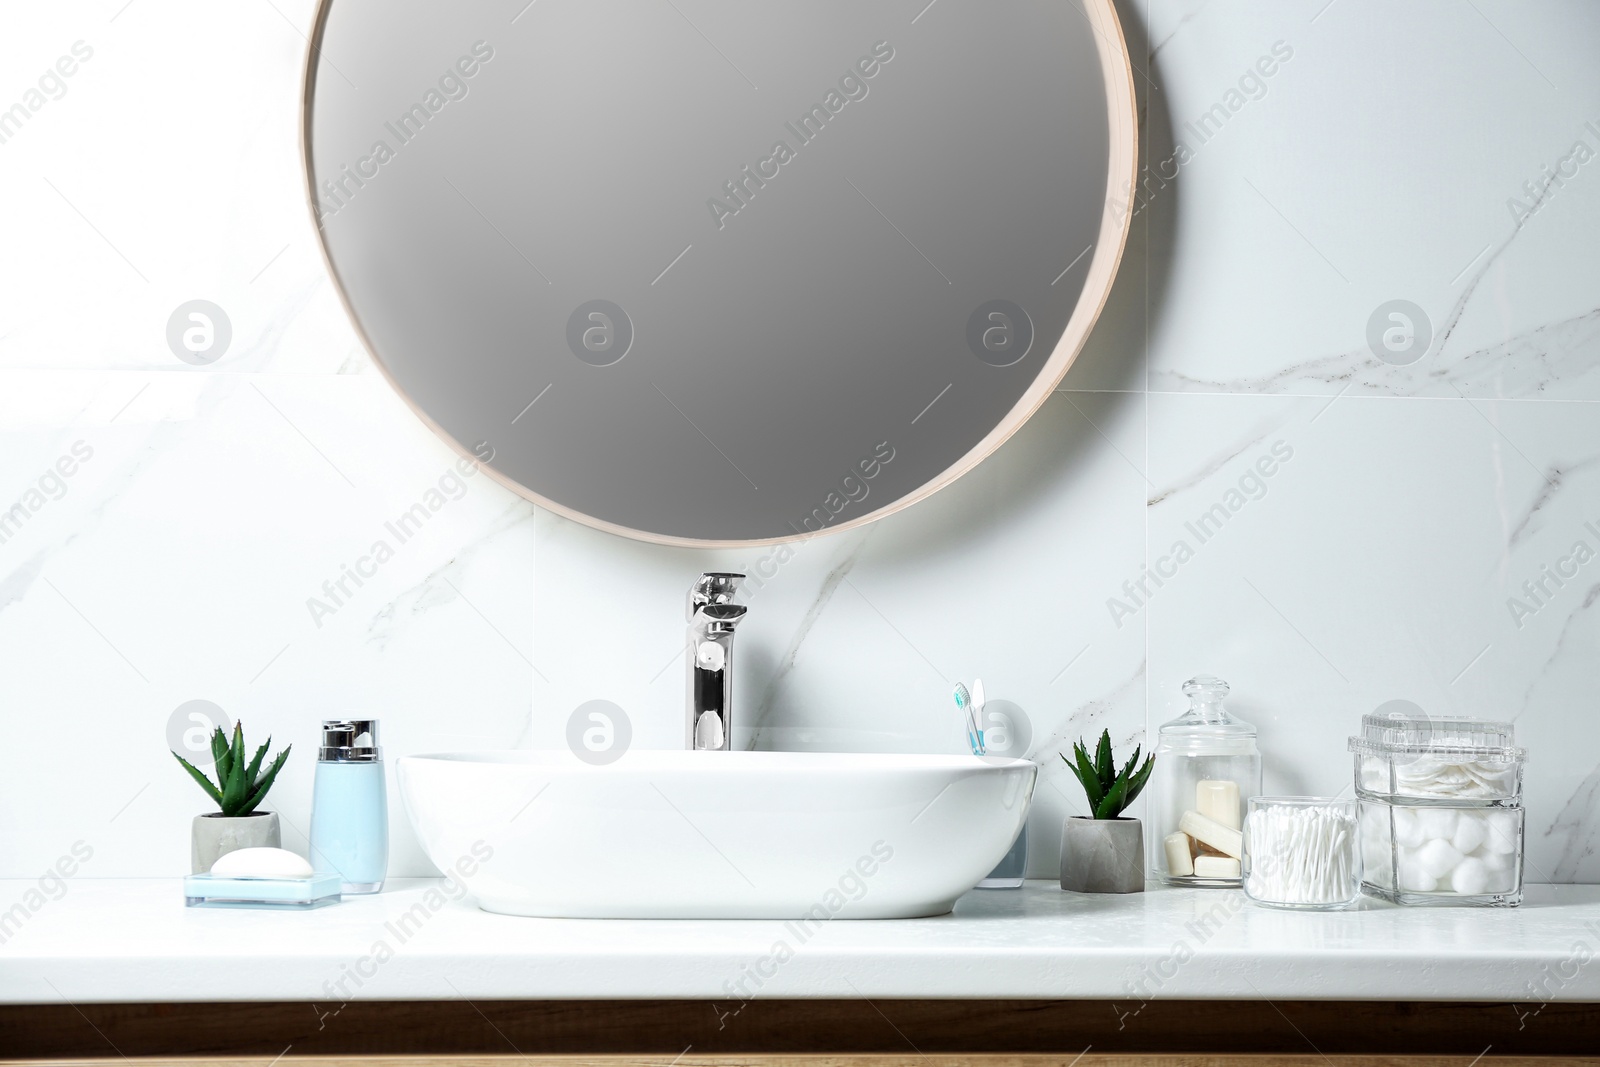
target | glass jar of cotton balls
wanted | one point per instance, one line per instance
(1440, 809)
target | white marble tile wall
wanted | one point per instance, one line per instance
(1394, 152)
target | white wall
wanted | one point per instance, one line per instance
(1376, 163)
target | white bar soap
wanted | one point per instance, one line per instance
(1216, 867)
(1180, 861)
(1209, 831)
(1219, 800)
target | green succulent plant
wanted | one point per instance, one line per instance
(239, 786)
(1109, 791)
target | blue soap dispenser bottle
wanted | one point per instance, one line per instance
(349, 806)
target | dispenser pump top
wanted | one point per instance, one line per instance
(350, 741)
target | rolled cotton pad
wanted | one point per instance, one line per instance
(1218, 800)
(1180, 857)
(1208, 831)
(261, 863)
(1471, 877)
(1470, 832)
(1216, 867)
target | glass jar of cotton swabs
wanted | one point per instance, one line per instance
(1301, 852)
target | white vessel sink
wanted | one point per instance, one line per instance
(782, 835)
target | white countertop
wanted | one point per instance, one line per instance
(133, 940)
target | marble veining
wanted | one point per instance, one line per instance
(850, 552)
(1525, 367)
(1249, 441)
(438, 586)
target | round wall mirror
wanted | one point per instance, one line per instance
(709, 271)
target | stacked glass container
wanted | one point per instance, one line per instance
(1441, 809)
(1207, 768)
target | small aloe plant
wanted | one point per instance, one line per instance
(239, 786)
(1109, 792)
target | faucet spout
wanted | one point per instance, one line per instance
(713, 619)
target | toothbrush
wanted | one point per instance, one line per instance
(979, 702)
(974, 732)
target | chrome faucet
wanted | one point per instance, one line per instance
(713, 617)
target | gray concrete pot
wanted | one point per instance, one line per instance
(215, 835)
(1102, 855)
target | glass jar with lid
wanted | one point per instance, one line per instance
(1442, 821)
(1207, 767)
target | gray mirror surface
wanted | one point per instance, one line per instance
(705, 271)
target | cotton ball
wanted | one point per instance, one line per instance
(1470, 878)
(1494, 861)
(1413, 879)
(1471, 829)
(1437, 858)
(1373, 828)
(1500, 868)
(1372, 851)
(1377, 859)
(1418, 882)
(1407, 828)
(1438, 824)
(1502, 832)
(1499, 880)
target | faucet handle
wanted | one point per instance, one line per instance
(713, 587)
(719, 618)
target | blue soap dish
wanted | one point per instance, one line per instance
(294, 894)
